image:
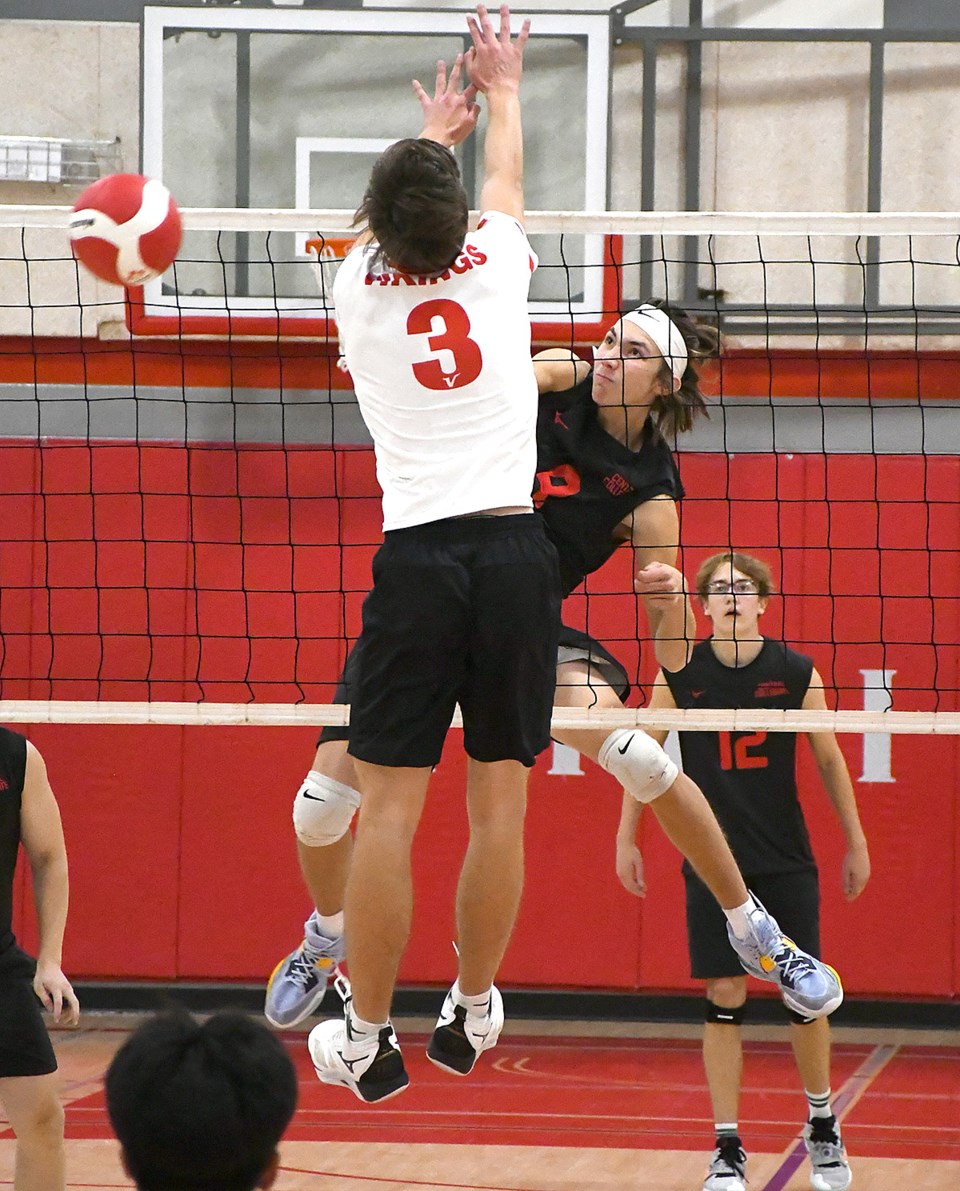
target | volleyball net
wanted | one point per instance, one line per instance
(188, 501)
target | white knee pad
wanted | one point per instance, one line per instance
(638, 763)
(322, 810)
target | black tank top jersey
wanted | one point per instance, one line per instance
(13, 768)
(588, 481)
(749, 778)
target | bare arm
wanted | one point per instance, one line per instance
(655, 537)
(496, 66)
(558, 369)
(41, 834)
(629, 861)
(836, 781)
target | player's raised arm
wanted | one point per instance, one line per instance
(495, 63)
(449, 115)
(558, 369)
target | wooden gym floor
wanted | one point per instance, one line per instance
(568, 1106)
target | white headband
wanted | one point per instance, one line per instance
(664, 333)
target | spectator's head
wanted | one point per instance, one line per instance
(415, 206)
(201, 1106)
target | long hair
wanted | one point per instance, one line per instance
(675, 412)
(415, 207)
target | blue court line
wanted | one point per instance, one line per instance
(852, 1090)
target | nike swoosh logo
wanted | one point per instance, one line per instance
(313, 797)
(625, 747)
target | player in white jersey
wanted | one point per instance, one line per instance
(451, 415)
(465, 606)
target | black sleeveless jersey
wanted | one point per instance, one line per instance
(749, 778)
(587, 481)
(13, 768)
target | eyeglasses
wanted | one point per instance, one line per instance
(738, 587)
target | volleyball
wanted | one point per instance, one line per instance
(126, 229)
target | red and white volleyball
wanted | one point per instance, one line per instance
(126, 229)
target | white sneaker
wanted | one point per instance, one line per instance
(727, 1171)
(829, 1168)
(461, 1036)
(370, 1066)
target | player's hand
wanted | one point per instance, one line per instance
(449, 115)
(660, 579)
(495, 61)
(56, 993)
(856, 871)
(630, 868)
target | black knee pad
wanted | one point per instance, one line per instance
(722, 1014)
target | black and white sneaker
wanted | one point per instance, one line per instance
(371, 1066)
(829, 1168)
(461, 1036)
(727, 1171)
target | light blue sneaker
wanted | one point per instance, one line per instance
(298, 983)
(807, 986)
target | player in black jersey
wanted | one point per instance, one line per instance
(29, 1090)
(749, 779)
(605, 478)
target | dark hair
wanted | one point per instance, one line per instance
(200, 1106)
(754, 568)
(675, 412)
(415, 207)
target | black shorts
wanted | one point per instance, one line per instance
(573, 645)
(24, 1043)
(467, 611)
(576, 645)
(792, 898)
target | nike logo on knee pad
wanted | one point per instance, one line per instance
(625, 747)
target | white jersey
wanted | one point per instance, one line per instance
(443, 375)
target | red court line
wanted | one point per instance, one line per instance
(623, 1093)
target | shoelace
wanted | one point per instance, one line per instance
(792, 965)
(303, 968)
(731, 1157)
(826, 1141)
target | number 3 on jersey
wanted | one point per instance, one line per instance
(448, 327)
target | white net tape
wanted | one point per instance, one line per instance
(29, 711)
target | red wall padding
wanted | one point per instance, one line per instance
(182, 854)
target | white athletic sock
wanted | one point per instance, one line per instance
(363, 1029)
(819, 1103)
(739, 918)
(478, 1006)
(331, 925)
